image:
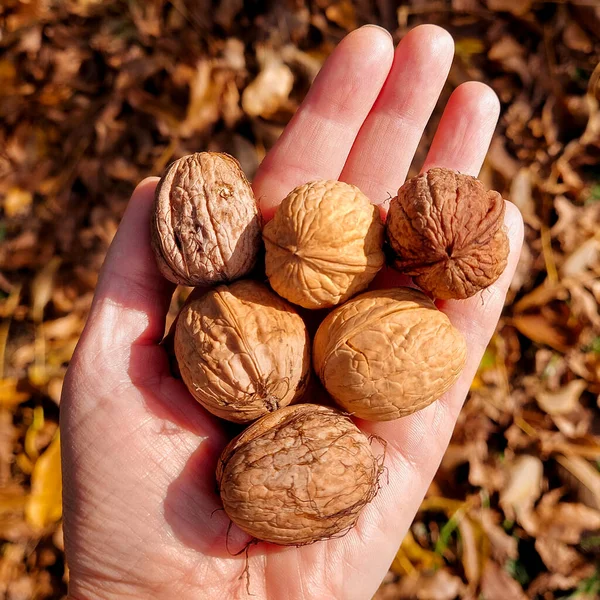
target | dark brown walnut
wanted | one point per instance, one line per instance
(299, 475)
(206, 226)
(447, 231)
(388, 353)
(242, 351)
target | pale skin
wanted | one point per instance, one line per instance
(139, 453)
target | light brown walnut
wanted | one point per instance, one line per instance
(324, 244)
(298, 475)
(242, 351)
(388, 353)
(447, 231)
(206, 226)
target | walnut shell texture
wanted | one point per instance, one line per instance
(298, 475)
(206, 226)
(388, 353)
(447, 231)
(242, 351)
(324, 244)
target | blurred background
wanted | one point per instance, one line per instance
(97, 94)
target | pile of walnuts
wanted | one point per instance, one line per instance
(302, 472)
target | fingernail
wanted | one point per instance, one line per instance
(377, 27)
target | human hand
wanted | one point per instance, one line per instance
(139, 453)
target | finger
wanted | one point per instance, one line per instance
(465, 129)
(317, 140)
(384, 148)
(132, 297)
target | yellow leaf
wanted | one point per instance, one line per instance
(342, 14)
(44, 504)
(31, 434)
(411, 553)
(38, 375)
(467, 47)
(17, 202)
(9, 395)
(445, 505)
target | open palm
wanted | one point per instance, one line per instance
(139, 453)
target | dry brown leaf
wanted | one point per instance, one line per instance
(271, 88)
(538, 329)
(502, 545)
(497, 584)
(565, 521)
(563, 400)
(582, 477)
(557, 556)
(523, 487)
(549, 582)
(441, 585)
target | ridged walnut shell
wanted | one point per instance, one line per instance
(387, 353)
(447, 231)
(242, 351)
(324, 244)
(206, 226)
(299, 475)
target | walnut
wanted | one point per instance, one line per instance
(388, 353)
(298, 475)
(206, 226)
(242, 351)
(324, 244)
(447, 231)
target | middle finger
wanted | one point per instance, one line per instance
(384, 148)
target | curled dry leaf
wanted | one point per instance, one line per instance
(324, 244)
(271, 88)
(206, 226)
(242, 351)
(562, 401)
(523, 488)
(388, 353)
(298, 475)
(447, 231)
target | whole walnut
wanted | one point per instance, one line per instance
(242, 351)
(206, 226)
(447, 231)
(324, 244)
(298, 475)
(388, 353)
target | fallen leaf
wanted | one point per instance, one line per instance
(44, 503)
(17, 202)
(582, 477)
(557, 556)
(497, 584)
(523, 487)
(538, 329)
(565, 521)
(563, 400)
(271, 88)
(9, 394)
(441, 585)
